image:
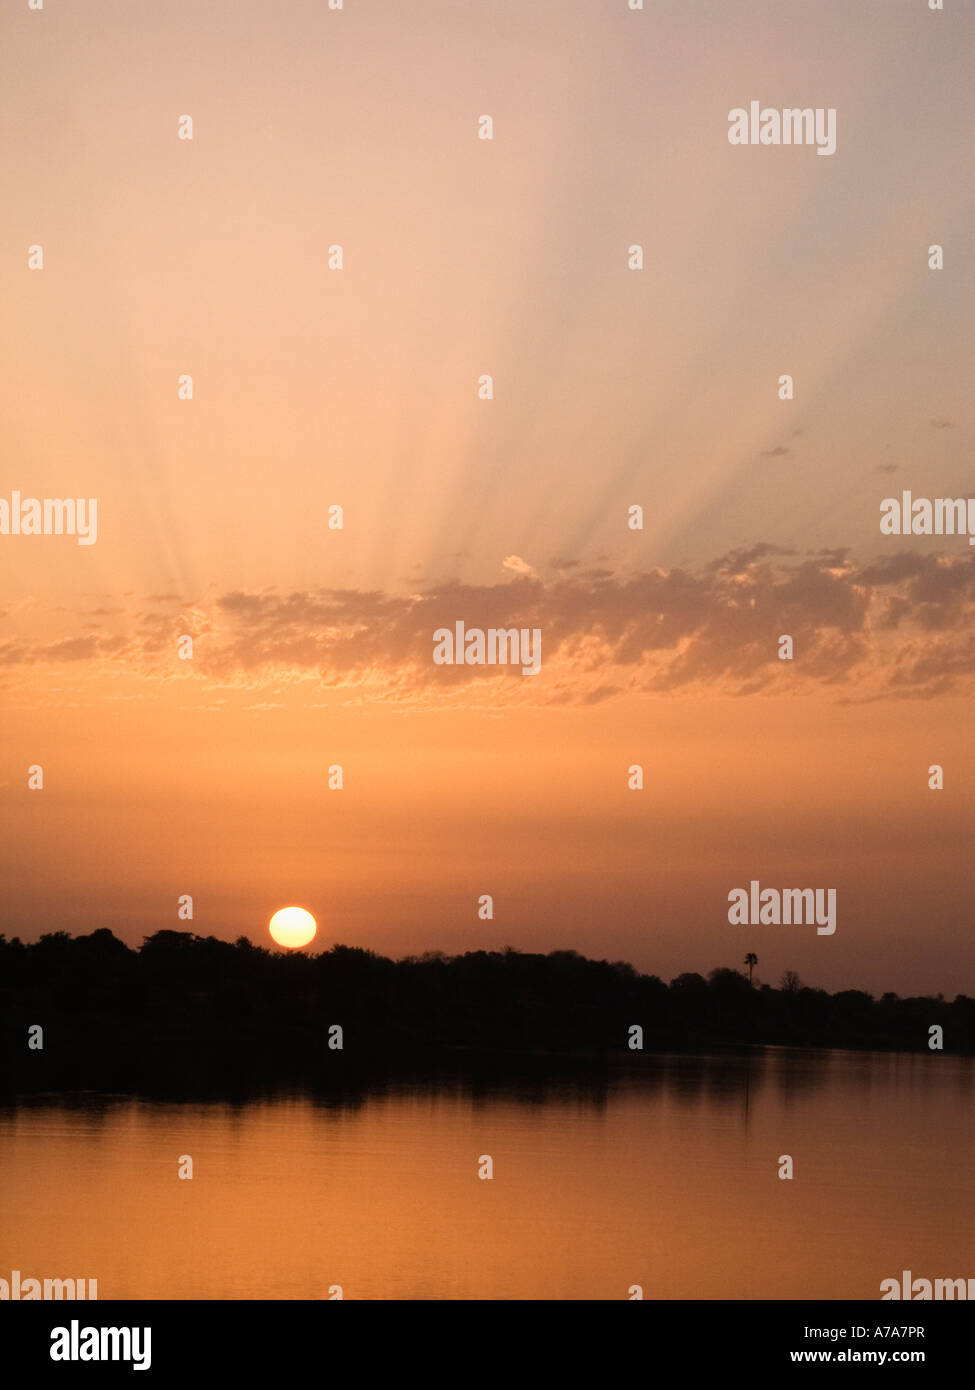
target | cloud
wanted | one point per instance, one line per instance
(519, 566)
(778, 452)
(902, 625)
(943, 423)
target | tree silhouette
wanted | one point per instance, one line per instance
(186, 1013)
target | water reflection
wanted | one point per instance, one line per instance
(658, 1170)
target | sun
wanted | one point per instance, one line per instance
(292, 927)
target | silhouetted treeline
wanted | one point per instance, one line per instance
(194, 1012)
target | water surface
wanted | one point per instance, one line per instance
(663, 1174)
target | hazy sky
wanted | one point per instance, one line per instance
(612, 387)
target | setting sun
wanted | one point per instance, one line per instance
(292, 927)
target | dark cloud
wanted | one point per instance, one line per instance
(897, 625)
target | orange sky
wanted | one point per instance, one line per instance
(612, 387)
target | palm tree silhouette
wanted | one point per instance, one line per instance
(751, 960)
